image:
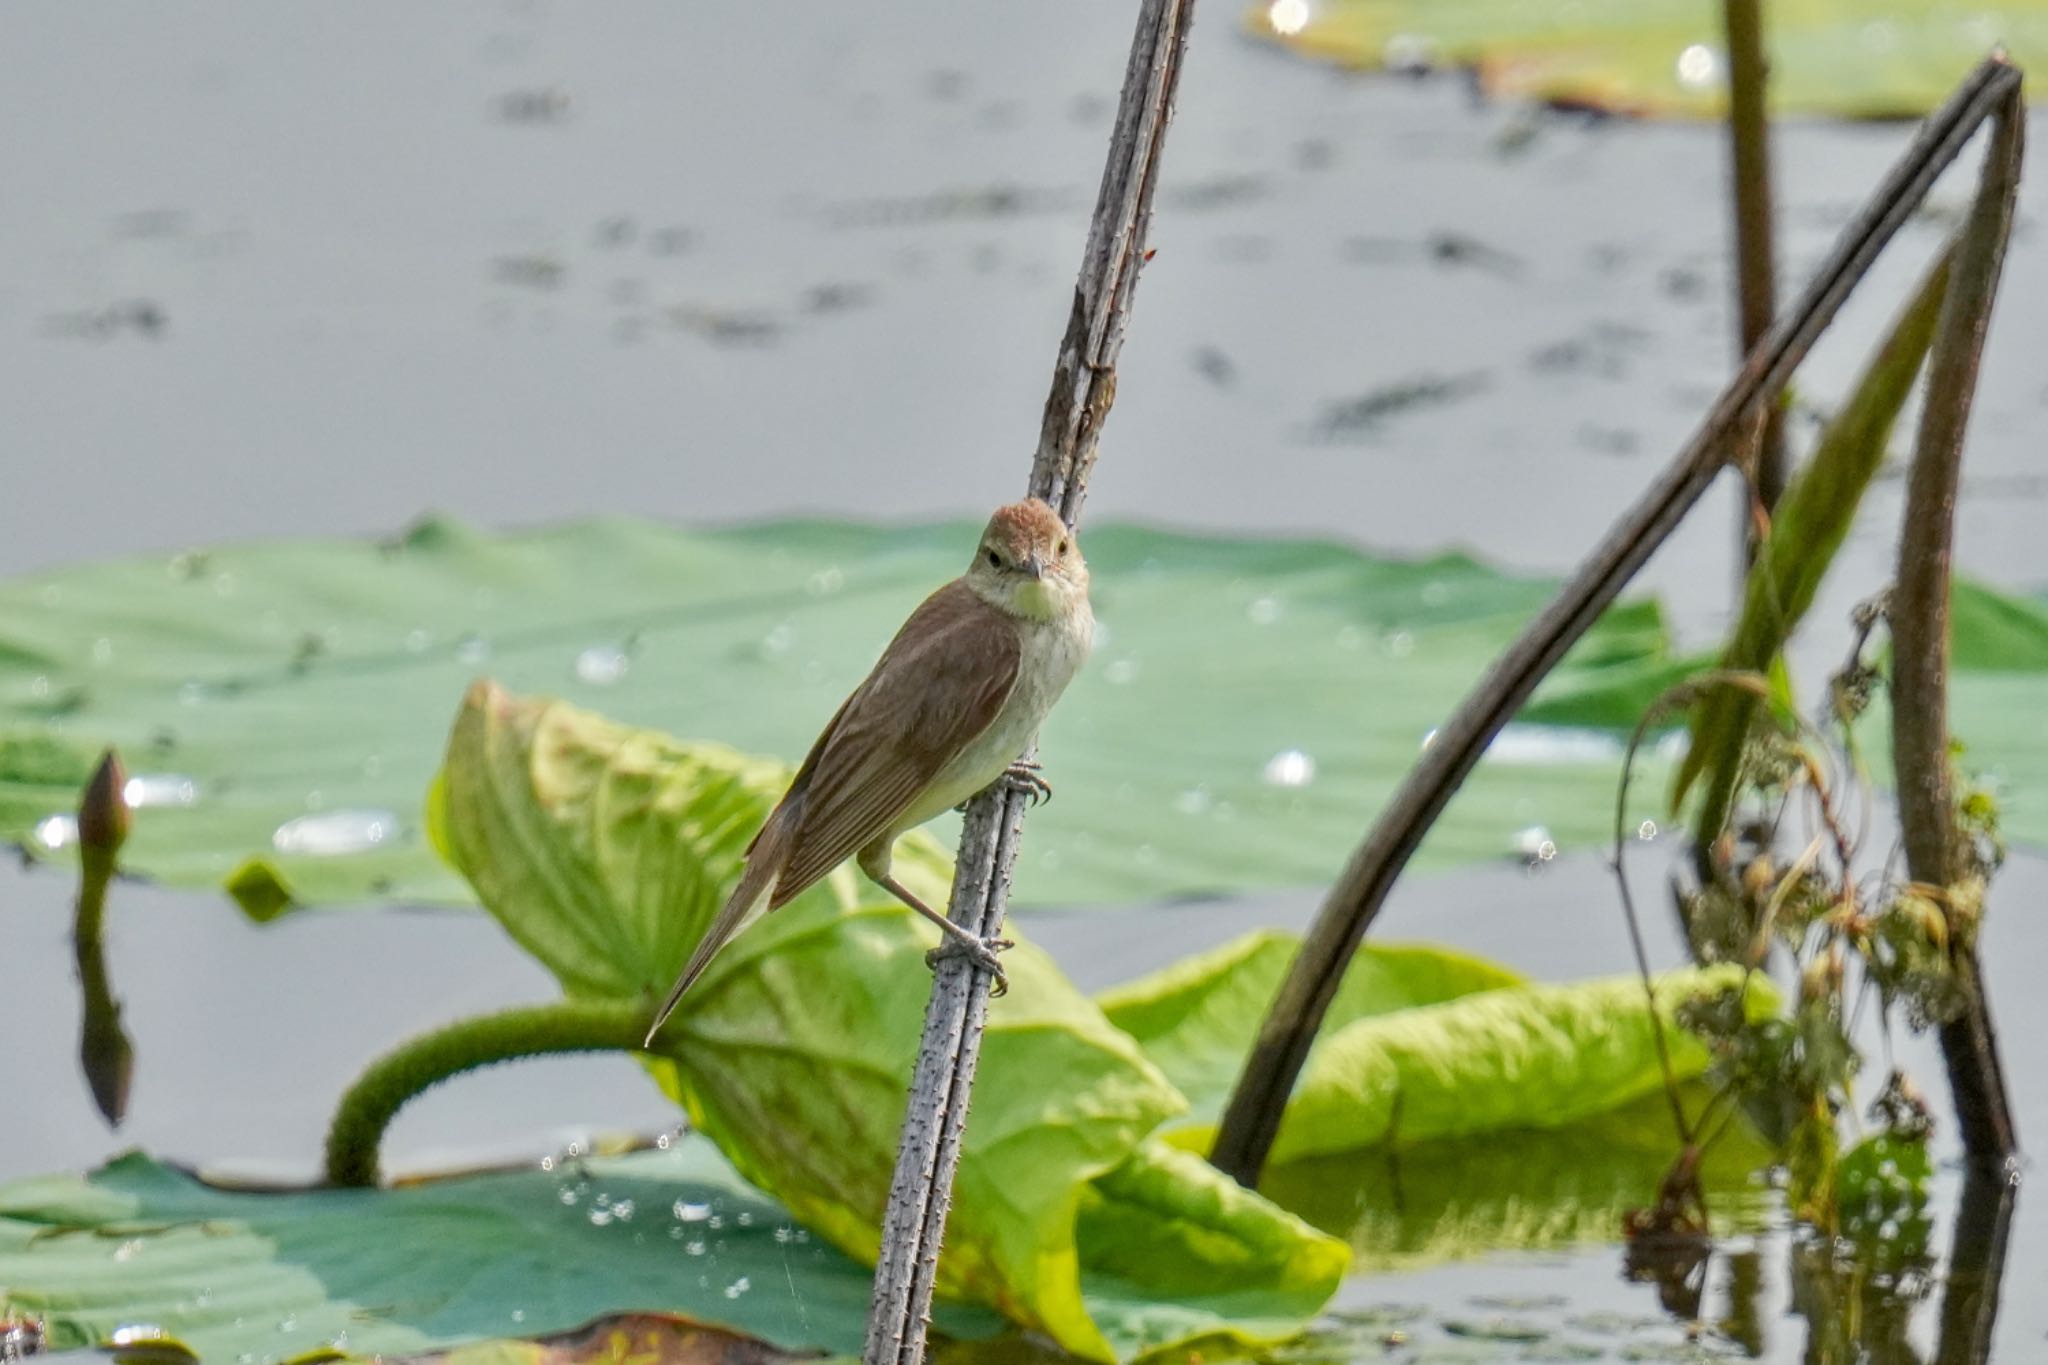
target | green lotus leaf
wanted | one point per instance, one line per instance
(1873, 59)
(1251, 703)
(1421, 1043)
(267, 1276)
(604, 850)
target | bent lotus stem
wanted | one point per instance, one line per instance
(1253, 1116)
(1083, 387)
(412, 1068)
(1920, 626)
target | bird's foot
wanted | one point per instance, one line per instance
(1022, 777)
(1025, 776)
(982, 952)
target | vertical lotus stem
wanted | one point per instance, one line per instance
(1756, 274)
(1920, 631)
(1083, 387)
(104, 1052)
(1253, 1115)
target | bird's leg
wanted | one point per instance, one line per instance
(1025, 776)
(959, 942)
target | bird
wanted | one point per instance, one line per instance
(948, 710)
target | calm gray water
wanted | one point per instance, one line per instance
(295, 270)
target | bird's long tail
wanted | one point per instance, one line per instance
(765, 861)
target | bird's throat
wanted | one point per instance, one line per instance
(1036, 600)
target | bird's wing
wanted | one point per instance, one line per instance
(940, 683)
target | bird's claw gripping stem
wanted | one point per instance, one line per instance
(982, 952)
(1020, 776)
(1025, 776)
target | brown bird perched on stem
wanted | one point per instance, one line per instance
(949, 709)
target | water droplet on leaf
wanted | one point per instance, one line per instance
(1535, 846)
(1289, 768)
(1538, 744)
(1288, 17)
(1698, 67)
(335, 832)
(602, 665)
(160, 789)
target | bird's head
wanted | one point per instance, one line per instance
(1028, 563)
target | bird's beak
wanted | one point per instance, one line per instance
(1034, 564)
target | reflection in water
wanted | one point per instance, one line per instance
(1542, 1189)
(1860, 1299)
(1976, 1265)
(1677, 1266)
(1744, 1323)
(104, 1051)
(1858, 1308)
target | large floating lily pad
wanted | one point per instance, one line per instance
(1249, 708)
(1874, 59)
(266, 1276)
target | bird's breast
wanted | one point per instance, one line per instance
(1050, 653)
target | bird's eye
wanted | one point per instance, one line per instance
(995, 561)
